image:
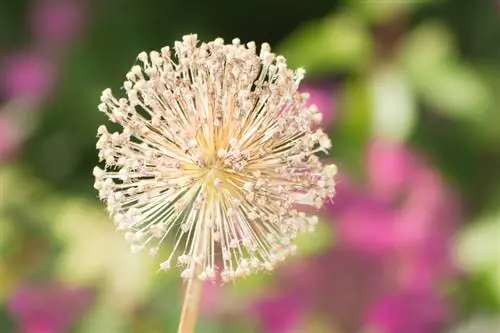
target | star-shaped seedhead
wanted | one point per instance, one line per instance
(217, 148)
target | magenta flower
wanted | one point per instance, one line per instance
(389, 167)
(279, 313)
(426, 224)
(364, 221)
(323, 98)
(27, 76)
(408, 312)
(47, 308)
(339, 284)
(405, 214)
(392, 238)
(54, 23)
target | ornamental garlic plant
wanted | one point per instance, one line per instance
(218, 150)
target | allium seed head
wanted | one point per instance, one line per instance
(217, 149)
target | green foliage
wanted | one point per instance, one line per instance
(478, 250)
(353, 129)
(335, 43)
(448, 84)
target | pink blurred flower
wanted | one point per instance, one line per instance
(323, 98)
(408, 312)
(279, 313)
(390, 167)
(55, 23)
(27, 76)
(364, 221)
(426, 225)
(338, 283)
(47, 308)
(392, 238)
(212, 296)
(406, 214)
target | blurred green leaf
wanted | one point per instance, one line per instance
(394, 104)
(383, 10)
(475, 294)
(6, 233)
(478, 324)
(426, 47)
(309, 244)
(496, 280)
(209, 327)
(339, 42)
(11, 18)
(353, 129)
(456, 90)
(7, 323)
(478, 250)
(96, 253)
(478, 247)
(253, 282)
(105, 316)
(445, 83)
(487, 127)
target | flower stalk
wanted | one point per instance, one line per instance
(192, 295)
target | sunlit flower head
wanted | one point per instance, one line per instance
(217, 150)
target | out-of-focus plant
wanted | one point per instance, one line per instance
(399, 68)
(478, 324)
(28, 76)
(420, 74)
(478, 251)
(45, 308)
(79, 248)
(392, 238)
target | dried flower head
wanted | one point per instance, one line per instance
(217, 148)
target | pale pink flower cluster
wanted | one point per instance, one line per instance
(218, 148)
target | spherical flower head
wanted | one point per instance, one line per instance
(218, 150)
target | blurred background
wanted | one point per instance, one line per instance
(410, 93)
